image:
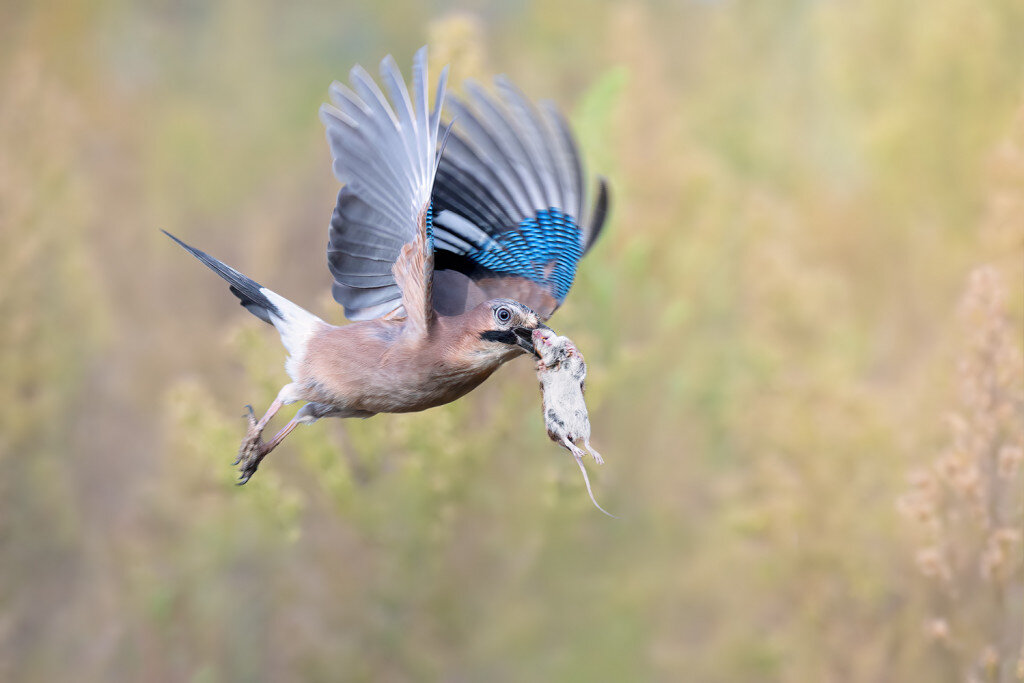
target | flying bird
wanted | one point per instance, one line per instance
(448, 248)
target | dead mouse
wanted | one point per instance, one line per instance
(562, 371)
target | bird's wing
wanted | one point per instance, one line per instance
(414, 271)
(380, 245)
(508, 204)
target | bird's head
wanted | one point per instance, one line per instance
(504, 327)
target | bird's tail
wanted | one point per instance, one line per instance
(294, 323)
(248, 291)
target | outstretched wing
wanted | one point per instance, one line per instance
(508, 204)
(380, 247)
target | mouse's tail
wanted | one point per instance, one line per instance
(590, 491)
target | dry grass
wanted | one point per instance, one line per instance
(969, 504)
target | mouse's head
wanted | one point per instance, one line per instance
(551, 348)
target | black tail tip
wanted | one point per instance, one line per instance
(201, 255)
(173, 238)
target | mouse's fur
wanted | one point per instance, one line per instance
(562, 372)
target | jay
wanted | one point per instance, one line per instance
(448, 248)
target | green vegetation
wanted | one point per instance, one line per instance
(788, 302)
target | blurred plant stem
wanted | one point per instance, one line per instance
(969, 504)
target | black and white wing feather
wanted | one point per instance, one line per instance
(385, 154)
(508, 204)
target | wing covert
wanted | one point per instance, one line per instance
(508, 203)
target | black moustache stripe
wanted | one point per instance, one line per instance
(502, 336)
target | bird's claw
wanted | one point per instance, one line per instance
(250, 454)
(252, 436)
(251, 450)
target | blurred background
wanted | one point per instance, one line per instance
(803, 326)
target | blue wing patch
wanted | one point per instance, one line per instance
(429, 221)
(545, 249)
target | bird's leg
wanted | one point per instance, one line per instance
(283, 432)
(255, 456)
(256, 428)
(253, 450)
(253, 438)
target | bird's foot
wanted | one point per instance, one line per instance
(251, 451)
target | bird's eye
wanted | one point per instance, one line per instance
(502, 314)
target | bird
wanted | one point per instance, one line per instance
(448, 247)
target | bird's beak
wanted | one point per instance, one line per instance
(524, 337)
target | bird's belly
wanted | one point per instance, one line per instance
(362, 367)
(410, 394)
(445, 391)
(394, 389)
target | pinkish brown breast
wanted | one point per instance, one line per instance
(373, 366)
